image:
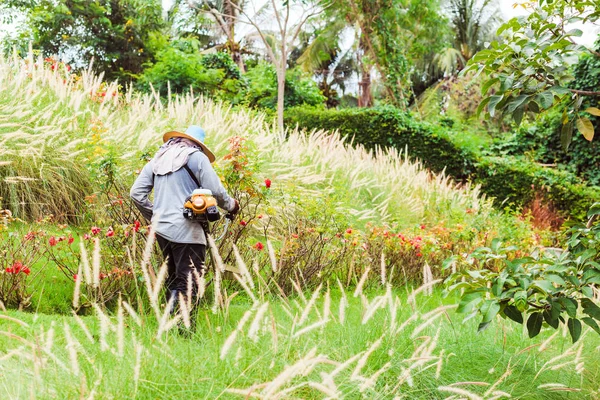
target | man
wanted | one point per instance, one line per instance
(181, 165)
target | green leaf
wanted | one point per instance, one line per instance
(494, 100)
(574, 328)
(560, 90)
(593, 110)
(468, 301)
(566, 135)
(546, 286)
(570, 305)
(591, 276)
(489, 309)
(575, 32)
(586, 128)
(482, 105)
(534, 324)
(533, 107)
(486, 86)
(516, 103)
(518, 115)
(587, 291)
(483, 326)
(550, 320)
(521, 300)
(556, 279)
(594, 210)
(546, 99)
(514, 314)
(590, 308)
(591, 323)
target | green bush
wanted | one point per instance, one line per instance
(262, 91)
(515, 182)
(512, 181)
(180, 66)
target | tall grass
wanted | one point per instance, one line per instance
(317, 344)
(44, 109)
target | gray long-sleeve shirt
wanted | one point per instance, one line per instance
(170, 192)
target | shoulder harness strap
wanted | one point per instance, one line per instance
(194, 178)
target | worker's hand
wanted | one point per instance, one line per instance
(236, 209)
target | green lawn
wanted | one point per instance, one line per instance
(444, 353)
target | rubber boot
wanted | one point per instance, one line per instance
(173, 300)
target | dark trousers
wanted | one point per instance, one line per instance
(182, 259)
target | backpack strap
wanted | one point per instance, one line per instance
(194, 178)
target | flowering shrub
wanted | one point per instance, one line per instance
(100, 265)
(18, 256)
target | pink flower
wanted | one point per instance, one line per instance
(52, 241)
(86, 237)
(102, 276)
(95, 230)
(259, 246)
(349, 231)
(29, 236)
(267, 183)
(294, 236)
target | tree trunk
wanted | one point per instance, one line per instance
(280, 95)
(365, 97)
(232, 46)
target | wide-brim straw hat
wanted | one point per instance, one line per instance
(194, 133)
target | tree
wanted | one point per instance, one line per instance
(528, 68)
(226, 14)
(115, 33)
(474, 22)
(287, 18)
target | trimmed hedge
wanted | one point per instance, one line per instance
(512, 181)
(385, 127)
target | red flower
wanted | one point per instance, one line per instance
(419, 254)
(52, 241)
(267, 183)
(422, 226)
(243, 223)
(75, 277)
(349, 231)
(126, 233)
(294, 236)
(26, 270)
(102, 275)
(259, 216)
(62, 239)
(110, 233)
(136, 226)
(71, 239)
(29, 236)
(95, 230)
(259, 246)
(9, 270)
